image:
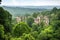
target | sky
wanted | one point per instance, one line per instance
(31, 2)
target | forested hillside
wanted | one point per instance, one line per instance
(43, 25)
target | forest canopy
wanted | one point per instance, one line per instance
(42, 26)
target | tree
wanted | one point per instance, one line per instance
(21, 28)
(1, 32)
(34, 34)
(58, 15)
(27, 15)
(5, 19)
(55, 19)
(34, 15)
(46, 34)
(30, 21)
(57, 33)
(54, 10)
(34, 27)
(56, 24)
(27, 37)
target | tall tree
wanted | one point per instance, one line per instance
(1, 32)
(5, 19)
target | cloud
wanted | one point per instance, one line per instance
(30, 2)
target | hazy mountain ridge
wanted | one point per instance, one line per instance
(19, 11)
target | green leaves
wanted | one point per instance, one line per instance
(46, 34)
(21, 28)
(30, 21)
(29, 30)
(28, 37)
(5, 19)
(1, 31)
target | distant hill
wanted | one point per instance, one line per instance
(20, 11)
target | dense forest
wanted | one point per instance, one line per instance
(43, 25)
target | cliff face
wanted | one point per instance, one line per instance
(43, 19)
(37, 20)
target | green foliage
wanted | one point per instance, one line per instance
(1, 32)
(57, 33)
(54, 39)
(34, 27)
(54, 9)
(27, 15)
(16, 38)
(24, 37)
(29, 30)
(30, 21)
(35, 15)
(27, 37)
(58, 15)
(5, 19)
(32, 31)
(21, 28)
(46, 34)
(34, 34)
(7, 36)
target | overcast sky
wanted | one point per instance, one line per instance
(31, 2)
